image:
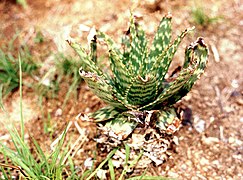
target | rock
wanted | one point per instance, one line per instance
(210, 140)
(88, 163)
(199, 124)
(58, 112)
(101, 173)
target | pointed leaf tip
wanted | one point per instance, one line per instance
(168, 15)
(200, 41)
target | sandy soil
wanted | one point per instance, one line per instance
(209, 148)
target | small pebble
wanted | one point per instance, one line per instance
(200, 125)
(58, 112)
(231, 140)
(88, 163)
(241, 119)
(210, 140)
(101, 174)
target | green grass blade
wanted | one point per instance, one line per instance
(73, 174)
(85, 174)
(44, 162)
(111, 169)
(1, 99)
(102, 164)
(20, 94)
(71, 89)
(133, 163)
(127, 150)
(23, 157)
(150, 178)
(4, 174)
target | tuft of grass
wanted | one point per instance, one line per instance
(41, 167)
(44, 166)
(9, 79)
(65, 69)
(201, 18)
(68, 70)
(68, 66)
(9, 68)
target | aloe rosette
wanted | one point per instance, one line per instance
(137, 91)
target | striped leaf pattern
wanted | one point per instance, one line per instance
(165, 117)
(104, 114)
(88, 64)
(142, 90)
(196, 53)
(101, 88)
(120, 128)
(180, 86)
(161, 40)
(170, 89)
(163, 61)
(137, 88)
(122, 77)
(138, 48)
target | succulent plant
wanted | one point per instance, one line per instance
(140, 99)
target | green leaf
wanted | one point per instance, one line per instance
(121, 74)
(102, 88)
(161, 40)
(165, 118)
(122, 77)
(104, 114)
(196, 53)
(127, 150)
(133, 163)
(163, 61)
(170, 89)
(179, 86)
(110, 43)
(126, 46)
(142, 90)
(102, 164)
(111, 169)
(150, 178)
(138, 51)
(143, 50)
(88, 65)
